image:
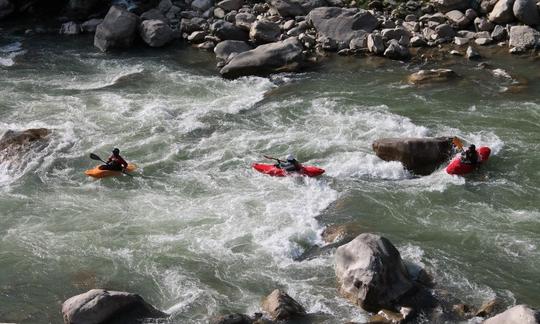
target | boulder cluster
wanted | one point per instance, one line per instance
(257, 37)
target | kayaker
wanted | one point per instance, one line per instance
(115, 162)
(291, 165)
(470, 156)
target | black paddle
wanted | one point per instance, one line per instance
(97, 158)
(272, 158)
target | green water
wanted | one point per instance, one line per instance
(198, 233)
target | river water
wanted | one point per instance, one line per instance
(198, 233)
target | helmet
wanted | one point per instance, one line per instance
(290, 157)
(472, 147)
(116, 151)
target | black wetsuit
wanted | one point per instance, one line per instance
(290, 166)
(469, 157)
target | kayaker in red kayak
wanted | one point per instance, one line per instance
(290, 165)
(115, 162)
(470, 156)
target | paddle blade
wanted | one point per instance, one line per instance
(458, 143)
(95, 157)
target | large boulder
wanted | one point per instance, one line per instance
(229, 5)
(264, 31)
(523, 38)
(503, 12)
(341, 25)
(520, 314)
(225, 30)
(118, 29)
(156, 33)
(371, 274)
(202, 5)
(227, 49)
(287, 8)
(448, 5)
(375, 44)
(419, 155)
(432, 76)
(526, 12)
(283, 56)
(458, 19)
(281, 306)
(99, 305)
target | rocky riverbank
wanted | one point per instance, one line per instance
(260, 38)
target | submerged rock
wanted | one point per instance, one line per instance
(99, 305)
(520, 314)
(432, 76)
(13, 142)
(236, 318)
(371, 273)
(281, 306)
(118, 29)
(420, 155)
(283, 56)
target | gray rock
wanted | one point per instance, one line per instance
(445, 32)
(207, 46)
(419, 155)
(503, 12)
(410, 18)
(341, 25)
(226, 50)
(6, 8)
(202, 5)
(483, 41)
(523, 38)
(460, 41)
(499, 33)
(359, 42)
(164, 6)
(153, 14)
(263, 31)
(244, 20)
(197, 37)
(395, 33)
(283, 56)
(457, 19)
(309, 5)
(308, 40)
(429, 34)
(98, 306)
(70, 28)
(190, 25)
(219, 13)
(156, 33)
(370, 272)
(526, 12)
(229, 5)
(375, 44)
(437, 17)
(411, 26)
(483, 24)
(287, 8)
(486, 6)
(520, 314)
(417, 41)
(226, 30)
(118, 29)
(483, 34)
(281, 306)
(466, 34)
(448, 5)
(471, 14)
(289, 24)
(472, 54)
(395, 51)
(90, 26)
(173, 14)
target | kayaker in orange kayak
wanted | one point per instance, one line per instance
(291, 165)
(115, 162)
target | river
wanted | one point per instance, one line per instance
(198, 233)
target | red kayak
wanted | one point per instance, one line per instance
(274, 171)
(460, 168)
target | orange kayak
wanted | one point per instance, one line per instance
(98, 173)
